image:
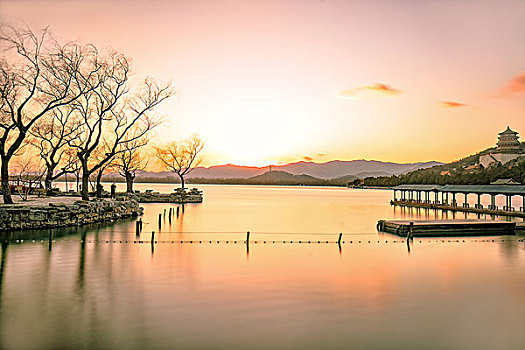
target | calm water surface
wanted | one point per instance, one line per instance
(371, 293)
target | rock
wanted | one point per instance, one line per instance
(57, 215)
(178, 196)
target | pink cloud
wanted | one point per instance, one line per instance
(377, 87)
(452, 104)
(383, 88)
(516, 86)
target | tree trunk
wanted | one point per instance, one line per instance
(84, 191)
(129, 182)
(48, 182)
(98, 184)
(4, 174)
(181, 181)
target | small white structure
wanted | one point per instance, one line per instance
(508, 148)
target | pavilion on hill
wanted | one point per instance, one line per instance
(509, 142)
(507, 149)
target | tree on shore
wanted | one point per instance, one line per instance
(51, 137)
(181, 157)
(37, 75)
(28, 172)
(111, 117)
(130, 160)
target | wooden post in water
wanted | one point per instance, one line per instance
(178, 211)
(140, 222)
(152, 237)
(137, 227)
(160, 220)
(248, 237)
(164, 213)
(411, 230)
(340, 237)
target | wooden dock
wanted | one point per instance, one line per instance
(440, 228)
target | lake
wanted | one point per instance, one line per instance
(94, 288)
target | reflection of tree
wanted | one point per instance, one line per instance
(2, 273)
(81, 265)
(2, 268)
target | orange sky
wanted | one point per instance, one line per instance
(281, 81)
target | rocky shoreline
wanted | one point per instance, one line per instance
(179, 195)
(29, 216)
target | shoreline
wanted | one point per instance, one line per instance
(55, 212)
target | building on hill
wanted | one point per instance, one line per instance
(505, 182)
(508, 142)
(507, 149)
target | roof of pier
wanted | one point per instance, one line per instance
(418, 187)
(485, 189)
(515, 190)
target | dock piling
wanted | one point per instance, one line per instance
(160, 220)
(340, 237)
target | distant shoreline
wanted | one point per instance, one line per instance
(239, 183)
(227, 181)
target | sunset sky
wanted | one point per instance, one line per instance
(266, 82)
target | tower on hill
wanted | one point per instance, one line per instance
(507, 149)
(509, 142)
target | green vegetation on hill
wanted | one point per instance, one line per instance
(269, 178)
(465, 171)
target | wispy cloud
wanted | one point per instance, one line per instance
(516, 86)
(451, 104)
(346, 93)
(308, 159)
(381, 88)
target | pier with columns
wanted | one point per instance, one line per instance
(446, 197)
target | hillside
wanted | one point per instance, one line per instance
(267, 178)
(462, 172)
(282, 177)
(278, 178)
(326, 171)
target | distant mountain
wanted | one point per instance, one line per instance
(328, 170)
(227, 171)
(366, 174)
(282, 177)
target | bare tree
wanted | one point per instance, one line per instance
(37, 75)
(130, 160)
(181, 157)
(111, 118)
(51, 134)
(71, 165)
(98, 178)
(27, 174)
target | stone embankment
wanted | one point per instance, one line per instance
(51, 215)
(178, 196)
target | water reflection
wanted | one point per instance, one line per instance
(86, 293)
